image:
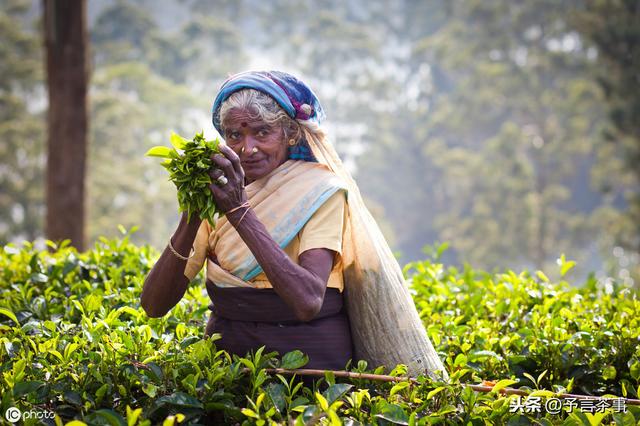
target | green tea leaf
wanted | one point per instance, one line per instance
(394, 414)
(250, 413)
(180, 399)
(189, 171)
(324, 404)
(276, 393)
(178, 141)
(9, 314)
(24, 388)
(294, 359)
(398, 387)
(335, 392)
(461, 360)
(565, 265)
(111, 417)
(504, 383)
(434, 392)
(159, 151)
(609, 372)
(542, 276)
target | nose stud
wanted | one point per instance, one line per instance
(253, 151)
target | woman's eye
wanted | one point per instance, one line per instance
(232, 135)
(263, 132)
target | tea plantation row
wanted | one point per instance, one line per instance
(76, 348)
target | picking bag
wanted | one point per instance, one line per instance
(385, 326)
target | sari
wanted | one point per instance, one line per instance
(384, 325)
(246, 317)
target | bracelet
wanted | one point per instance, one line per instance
(242, 217)
(245, 204)
(178, 255)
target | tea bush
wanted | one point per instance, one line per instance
(75, 342)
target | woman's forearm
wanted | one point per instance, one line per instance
(300, 289)
(166, 283)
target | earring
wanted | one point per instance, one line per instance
(292, 142)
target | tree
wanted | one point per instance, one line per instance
(67, 78)
(613, 28)
(504, 127)
(133, 109)
(21, 130)
(472, 121)
(528, 112)
(147, 83)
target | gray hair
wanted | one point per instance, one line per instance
(261, 106)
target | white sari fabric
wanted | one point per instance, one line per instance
(385, 325)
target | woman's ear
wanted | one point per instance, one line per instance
(292, 130)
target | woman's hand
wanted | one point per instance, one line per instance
(231, 194)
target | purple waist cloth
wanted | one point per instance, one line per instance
(263, 305)
(248, 318)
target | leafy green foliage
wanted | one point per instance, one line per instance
(523, 327)
(75, 341)
(189, 171)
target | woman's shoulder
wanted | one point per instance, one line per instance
(323, 174)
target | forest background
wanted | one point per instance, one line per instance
(509, 130)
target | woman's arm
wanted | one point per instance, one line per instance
(166, 283)
(302, 286)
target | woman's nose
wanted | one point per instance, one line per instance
(249, 143)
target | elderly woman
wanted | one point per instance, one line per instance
(295, 231)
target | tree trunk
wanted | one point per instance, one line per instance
(67, 76)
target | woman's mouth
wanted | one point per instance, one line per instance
(250, 162)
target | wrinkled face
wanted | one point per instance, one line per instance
(243, 130)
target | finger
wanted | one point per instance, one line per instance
(220, 197)
(217, 192)
(215, 173)
(223, 163)
(233, 157)
(218, 178)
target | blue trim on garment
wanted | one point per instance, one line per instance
(298, 226)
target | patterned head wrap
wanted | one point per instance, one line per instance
(295, 97)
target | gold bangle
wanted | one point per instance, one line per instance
(245, 204)
(178, 255)
(242, 217)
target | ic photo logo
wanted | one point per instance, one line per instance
(13, 414)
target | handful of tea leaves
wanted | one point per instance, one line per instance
(188, 163)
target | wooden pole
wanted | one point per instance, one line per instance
(65, 37)
(383, 378)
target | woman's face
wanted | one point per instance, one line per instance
(243, 130)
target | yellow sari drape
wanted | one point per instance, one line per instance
(283, 200)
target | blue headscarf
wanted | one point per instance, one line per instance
(295, 97)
